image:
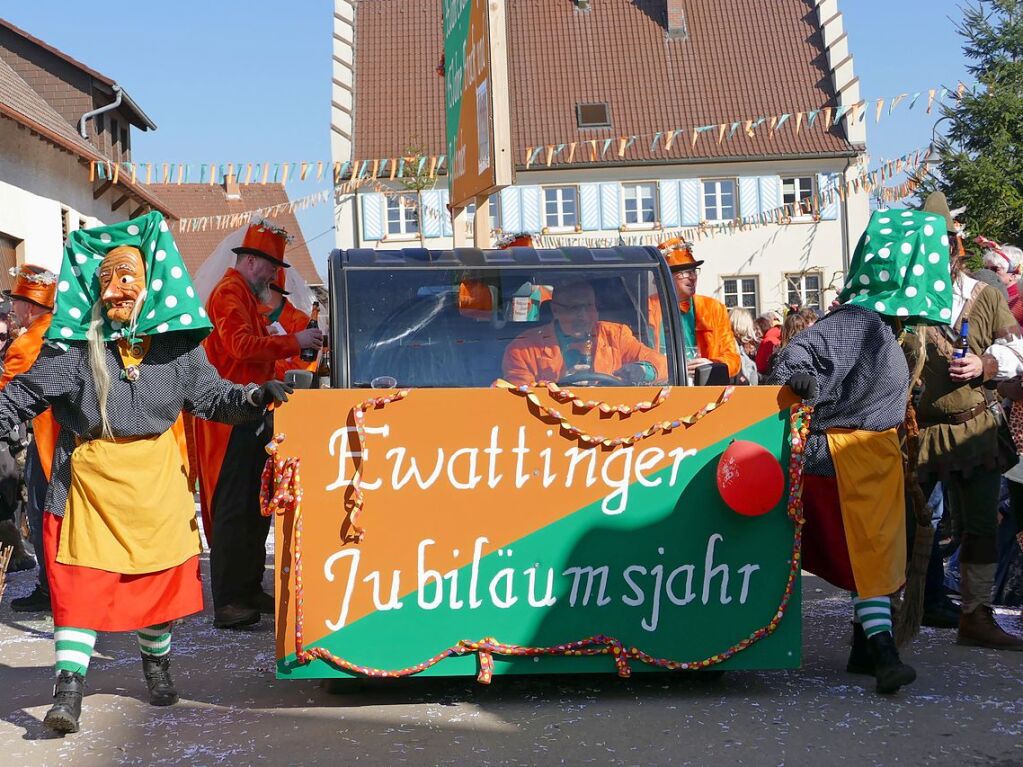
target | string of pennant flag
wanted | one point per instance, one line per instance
(593, 150)
(872, 183)
(914, 165)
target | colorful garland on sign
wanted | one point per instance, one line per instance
(282, 494)
(572, 432)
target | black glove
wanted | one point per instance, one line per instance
(804, 385)
(275, 392)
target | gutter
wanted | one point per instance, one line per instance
(118, 92)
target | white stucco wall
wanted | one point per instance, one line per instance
(36, 180)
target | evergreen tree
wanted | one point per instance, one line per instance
(981, 153)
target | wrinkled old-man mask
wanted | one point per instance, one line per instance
(122, 281)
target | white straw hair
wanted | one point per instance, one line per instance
(98, 365)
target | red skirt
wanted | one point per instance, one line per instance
(87, 598)
(825, 551)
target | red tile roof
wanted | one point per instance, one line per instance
(193, 200)
(742, 59)
(20, 103)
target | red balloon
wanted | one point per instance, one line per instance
(750, 479)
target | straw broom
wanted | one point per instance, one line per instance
(6, 552)
(910, 611)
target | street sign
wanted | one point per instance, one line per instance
(476, 99)
(484, 519)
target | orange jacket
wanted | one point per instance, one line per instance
(240, 347)
(243, 351)
(20, 357)
(714, 337)
(536, 355)
(292, 320)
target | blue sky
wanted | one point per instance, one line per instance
(229, 81)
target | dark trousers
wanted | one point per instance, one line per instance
(238, 553)
(36, 485)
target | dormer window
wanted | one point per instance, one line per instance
(594, 115)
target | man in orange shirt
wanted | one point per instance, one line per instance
(578, 343)
(231, 458)
(706, 330)
(32, 305)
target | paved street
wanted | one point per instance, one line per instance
(966, 709)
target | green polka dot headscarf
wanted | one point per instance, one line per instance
(170, 303)
(901, 268)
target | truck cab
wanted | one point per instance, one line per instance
(419, 318)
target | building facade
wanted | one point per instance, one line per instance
(48, 183)
(594, 72)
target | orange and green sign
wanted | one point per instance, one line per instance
(476, 99)
(504, 530)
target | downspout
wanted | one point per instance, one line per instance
(845, 221)
(96, 112)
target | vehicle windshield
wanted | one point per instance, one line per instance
(435, 327)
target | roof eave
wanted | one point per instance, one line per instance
(133, 189)
(140, 120)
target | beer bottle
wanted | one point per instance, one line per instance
(962, 346)
(308, 355)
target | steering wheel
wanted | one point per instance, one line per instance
(592, 377)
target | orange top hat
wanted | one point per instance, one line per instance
(265, 240)
(278, 282)
(33, 284)
(678, 254)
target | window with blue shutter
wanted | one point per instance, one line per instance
(431, 214)
(689, 196)
(511, 209)
(589, 207)
(372, 215)
(610, 206)
(668, 192)
(770, 193)
(749, 196)
(446, 226)
(828, 185)
(529, 197)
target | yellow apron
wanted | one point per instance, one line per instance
(129, 509)
(868, 467)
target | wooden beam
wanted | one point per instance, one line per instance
(138, 211)
(119, 202)
(101, 189)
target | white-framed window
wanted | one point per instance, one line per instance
(639, 204)
(719, 203)
(743, 292)
(560, 207)
(798, 189)
(805, 289)
(402, 215)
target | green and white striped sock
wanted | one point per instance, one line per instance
(875, 614)
(74, 649)
(155, 640)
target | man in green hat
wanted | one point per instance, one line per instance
(850, 367)
(123, 359)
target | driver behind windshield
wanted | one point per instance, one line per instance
(577, 343)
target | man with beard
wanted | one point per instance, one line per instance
(231, 458)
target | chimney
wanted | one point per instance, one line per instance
(231, 189)
(676, 20)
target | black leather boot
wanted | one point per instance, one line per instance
(860, 661)
(67, 703)
(891, 673)
(158, 679)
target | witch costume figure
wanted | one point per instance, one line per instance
(123, 359)
(851, 368)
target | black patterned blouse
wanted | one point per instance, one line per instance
(174, 376)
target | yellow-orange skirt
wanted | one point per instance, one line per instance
(88, 598)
